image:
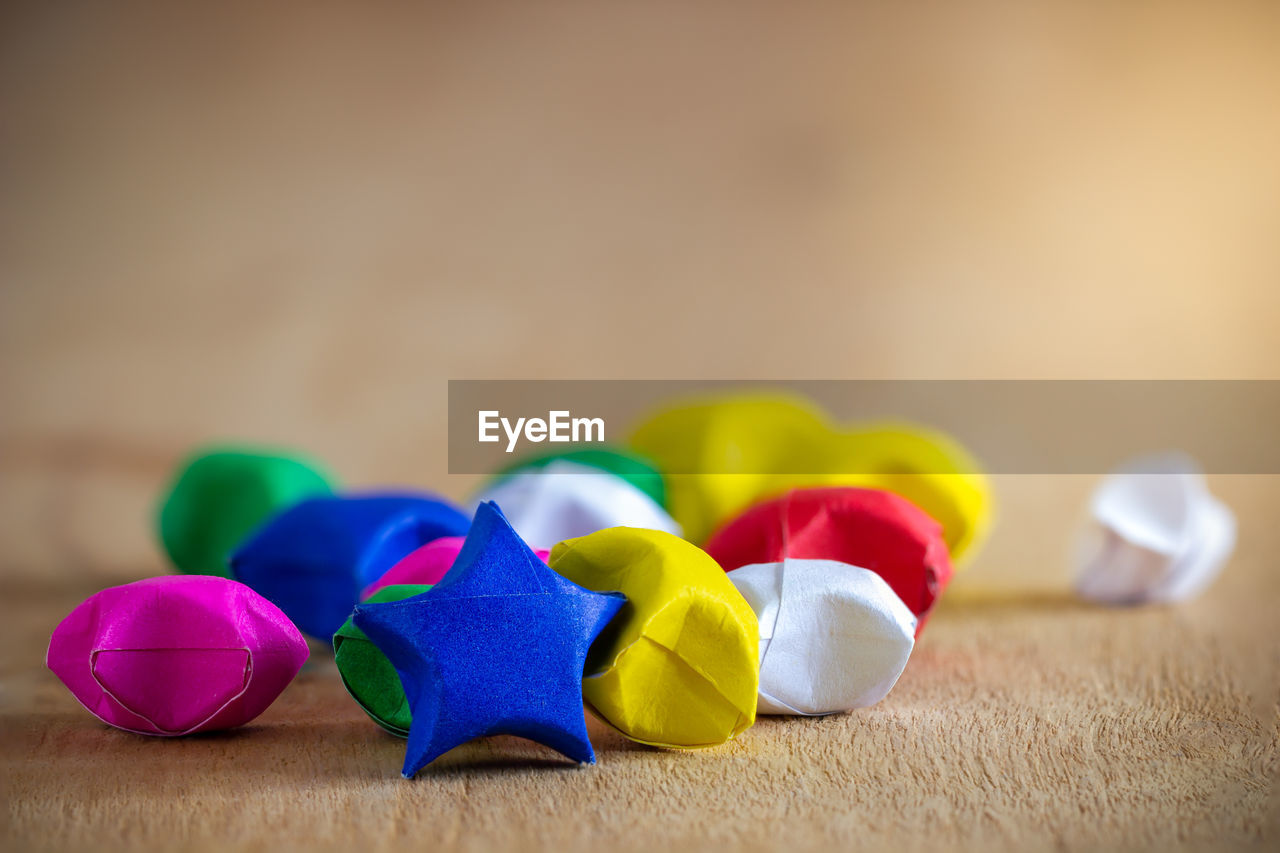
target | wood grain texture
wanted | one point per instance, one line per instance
(1025, 720)
(294, 225)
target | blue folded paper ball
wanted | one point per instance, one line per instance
(313, 559)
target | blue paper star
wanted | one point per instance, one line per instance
(497, 647)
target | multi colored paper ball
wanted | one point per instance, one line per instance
(367, 674)
(826, 549)
(680, 666)
(622, 463)
(869, 528)
(562, 500)
(724, 454)
(427, 565)
(221, 495)
(833, 637)
(315, 558)
(176, 655)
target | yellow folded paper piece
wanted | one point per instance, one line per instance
(720, 455)
(679, 665)
(925, 466)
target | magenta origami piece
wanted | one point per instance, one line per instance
(427, 565)
(176, 655)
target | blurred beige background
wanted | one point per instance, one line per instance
(293, 223)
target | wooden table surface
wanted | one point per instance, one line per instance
(294, 225)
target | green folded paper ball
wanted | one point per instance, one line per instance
(367, 674)
(221, 495)
(635, 469)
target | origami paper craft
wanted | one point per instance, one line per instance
(680, 666)
(176, 655)
(427, 565)
(562, 500)
(367, 674)
(871, 528)
(1156, 534)
(833, 637)
(497, 647)
(221, 494)
(718, 454)
(631, 467)
(313, 559)
(925, 466)
(724, 454)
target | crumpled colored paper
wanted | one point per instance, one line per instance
(313, 559)
(367, 674)
(871, 528)
(725, 453)
(497, 647)
(1156, 534)
(176, 655)
(680, 666)
(220, 495)
(721, 453)
(427, 565)
(562, 500)
(925, 466)
(833, 637)
(633, 468)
